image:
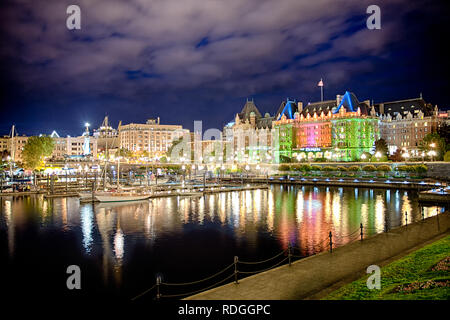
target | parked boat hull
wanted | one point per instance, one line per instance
(121, 198)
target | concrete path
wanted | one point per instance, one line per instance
(309, 276)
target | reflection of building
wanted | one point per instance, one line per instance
(405, 123)
(249, 135)
(152, 137)
(340, 129)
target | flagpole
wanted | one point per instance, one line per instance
(321, 93)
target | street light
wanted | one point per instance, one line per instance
(378, 155)
(363, 156)
(406, 156)
(432, 153)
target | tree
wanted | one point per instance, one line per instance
(433, 142)
(444, 132)
(381, 146)
(124, 153)
(447, 156)
(397, 156)
(35, 150)
(172, 146)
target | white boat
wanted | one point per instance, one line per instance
(84, 196)
(120, 197)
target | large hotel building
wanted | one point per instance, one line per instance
(153, 137)
(341, 129)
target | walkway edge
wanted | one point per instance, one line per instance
(311, 275)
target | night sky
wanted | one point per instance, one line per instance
(186, 60)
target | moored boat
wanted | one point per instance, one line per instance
(120, 197)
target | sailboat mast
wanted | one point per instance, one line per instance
(13, 151)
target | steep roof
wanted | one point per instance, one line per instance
(248, 108)
(403, 106)
(287, 108)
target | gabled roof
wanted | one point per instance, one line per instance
(318, 107)
(287, 108)
(350, 103)
(248, 108)
(403, 106)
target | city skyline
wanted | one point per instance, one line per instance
(200, 62)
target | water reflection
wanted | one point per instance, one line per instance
(257, 223)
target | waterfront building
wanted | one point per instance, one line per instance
(340, 129)
(249, 136)
(74, 147)
(107, 136)
(404, 123)
(17, 143)
(152, 137)
(4, 144)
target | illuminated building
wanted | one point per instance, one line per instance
(152, 137)
(404, 123)
(107, 137)
(74, 147)
(249, 136)
(340, 129)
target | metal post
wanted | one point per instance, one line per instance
(361, 227)
(158, 283)
(423, 214)
(86, 181)
(331, 242)
(52, 184)
(235, 270)
(289, 254)
(406, 217)
(48, 182)
(67, 182)
(92, 194)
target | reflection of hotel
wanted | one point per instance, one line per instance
(152, 137)
(340, 129)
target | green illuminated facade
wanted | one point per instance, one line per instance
(307, 136)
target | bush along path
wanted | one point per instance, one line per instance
(423, 274)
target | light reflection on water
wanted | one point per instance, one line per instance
(257, 223)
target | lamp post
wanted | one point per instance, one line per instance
(378, 155)
(363, 157)
(432, 153)
(406, 156)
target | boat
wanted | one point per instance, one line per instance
(120, 196)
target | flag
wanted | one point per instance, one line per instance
(320, 84)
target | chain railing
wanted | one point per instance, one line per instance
(288, 255)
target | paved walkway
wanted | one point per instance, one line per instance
(307, 277)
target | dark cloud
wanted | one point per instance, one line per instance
(195, 59)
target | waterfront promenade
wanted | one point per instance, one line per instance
(312, 277)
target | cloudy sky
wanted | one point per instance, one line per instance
(186, 60)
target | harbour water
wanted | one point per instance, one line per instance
(121, 248)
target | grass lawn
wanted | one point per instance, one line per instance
(423, 274)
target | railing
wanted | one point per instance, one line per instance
(239, 267)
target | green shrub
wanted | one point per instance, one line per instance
(447, 156)
(316, 168)
(305, 167)
(329, 168)
(354, 168)
(284, 167)
(384, 167)
(341, 168)
(369, 167)
(406, 168)
(420, 168)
